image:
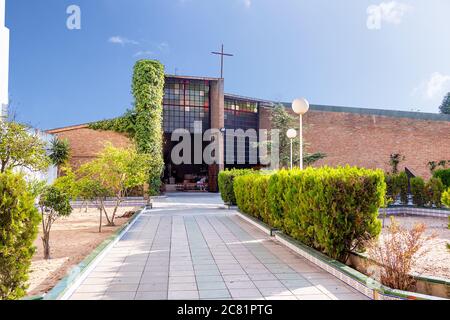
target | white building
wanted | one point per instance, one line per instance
(4, 61)
(51, 173)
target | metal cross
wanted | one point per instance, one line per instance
(222, 54)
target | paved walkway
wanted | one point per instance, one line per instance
(188, 247)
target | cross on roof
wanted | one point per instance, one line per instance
(222, 54)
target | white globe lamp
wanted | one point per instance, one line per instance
(300, 107)
(291, 134)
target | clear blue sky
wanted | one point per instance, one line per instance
(324, 50)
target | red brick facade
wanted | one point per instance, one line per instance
(347, 138)
(368, 140)
(85, 143)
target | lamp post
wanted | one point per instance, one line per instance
(292, 134)
(300, 107)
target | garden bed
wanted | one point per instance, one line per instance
(436, 261)
(72, 239)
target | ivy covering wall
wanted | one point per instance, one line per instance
(143, 124)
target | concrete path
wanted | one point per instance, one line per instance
(190, 247)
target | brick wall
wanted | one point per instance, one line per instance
(86, 143)
(368, 140)
(347, 138)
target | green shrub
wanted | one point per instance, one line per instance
(418, 191)
(434, 189)
(446, 198)
(402, 185)
(332, 210)
(397, 186)
(252, 195)
(226, 179)
(444, 175)
(18, 225)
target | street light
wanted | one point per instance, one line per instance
(300, 107)
(291, 134)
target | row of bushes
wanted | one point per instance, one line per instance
(333, 210)
(424, 193)
(427, 194)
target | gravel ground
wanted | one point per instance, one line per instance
(71, 240)
(436, 262)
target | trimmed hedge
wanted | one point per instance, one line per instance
(444, 175)
(333, 210)
(253, 196)
(225, 181)
(19, 220)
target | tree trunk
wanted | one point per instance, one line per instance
(46, 244)
(101, 221)
(102, 204)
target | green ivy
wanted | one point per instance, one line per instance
(144, 123)
(124, 124)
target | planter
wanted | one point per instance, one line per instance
(433, 286)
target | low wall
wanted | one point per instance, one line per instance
(416, 211)
(432, 286)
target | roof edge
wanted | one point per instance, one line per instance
(380, 112)
(68, 128)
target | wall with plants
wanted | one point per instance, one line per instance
(144, 123)
(334, 210)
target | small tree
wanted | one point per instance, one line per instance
(117, 171)
(19, 220)
(419, 194)
(67, 183)
(90, 190)
(434, 189)
(445, 106)
(54, 203)
(21, 148)
(59, 152)
(395, 160)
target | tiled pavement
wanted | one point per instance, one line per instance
(188, 248)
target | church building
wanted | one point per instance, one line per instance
(354, 136)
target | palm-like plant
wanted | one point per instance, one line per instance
(59, 152)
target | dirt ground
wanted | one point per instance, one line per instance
(71, 240)
(436, 261)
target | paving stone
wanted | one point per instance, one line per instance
(218, 285)
(197, 252)
(184, 295)
(214, 294)
(157, 295)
